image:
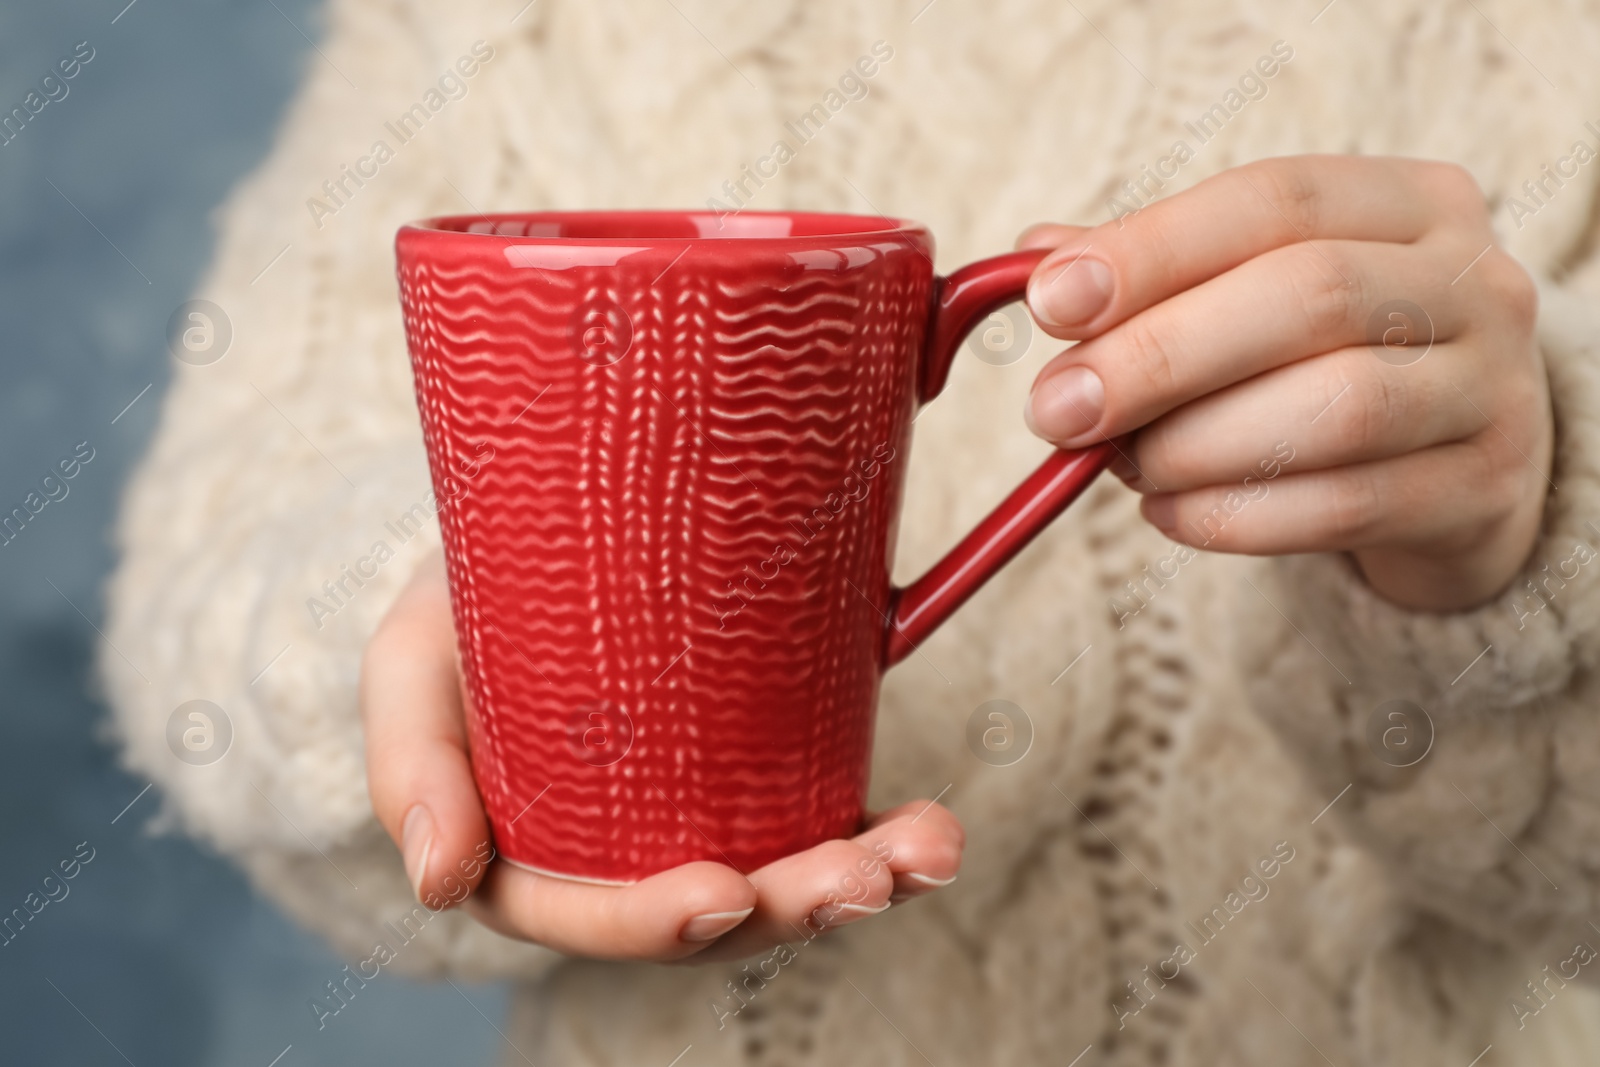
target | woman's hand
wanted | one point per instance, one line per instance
(1320, 353)
(422, 791)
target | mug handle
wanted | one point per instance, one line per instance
(962, 300)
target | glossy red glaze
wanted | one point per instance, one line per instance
(669, 451)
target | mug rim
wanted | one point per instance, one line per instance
(825, 229)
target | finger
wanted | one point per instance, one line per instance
(1339, 408)
(1415, 499)
(905, 852)
(809, 893)
(667, 916)
(921, 844)
(1120, 268)
(1290, 303)
(924, 810)
(1049, 235)
(418, 771)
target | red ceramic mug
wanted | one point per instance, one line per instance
(669, 450)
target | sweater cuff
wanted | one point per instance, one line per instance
(1524, 644)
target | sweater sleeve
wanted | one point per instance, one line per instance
(249, 584)
(1462, 749)
(284, 502)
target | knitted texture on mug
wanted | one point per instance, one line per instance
(1205, 724)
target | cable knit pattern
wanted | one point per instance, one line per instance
(1209, 738)
(1500, 825)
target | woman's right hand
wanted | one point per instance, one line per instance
(420, 780)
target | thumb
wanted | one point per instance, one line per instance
(418, 771)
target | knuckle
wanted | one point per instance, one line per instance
(1291, 186)
(1149, 355)
(1498, 476)
(1453, 187)
(1507, 433)
(1205, 520)
(389, 645)
(1141, 244)
(839, 857)
(1175, 452)
(1159, 259)
(1354, 507)
(1157, 454)
(1377, 409)
(1328, 289)
(1511, 290)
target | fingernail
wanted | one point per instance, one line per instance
(936, 883)
(849, 913)
(1161, 512)
(1066, 405)
(416, 844)
(1072, 293)
(712, 925)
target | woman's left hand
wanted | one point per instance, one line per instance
(1311, 354)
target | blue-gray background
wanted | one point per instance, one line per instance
(159, 947)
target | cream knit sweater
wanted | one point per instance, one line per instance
(1115, 897)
